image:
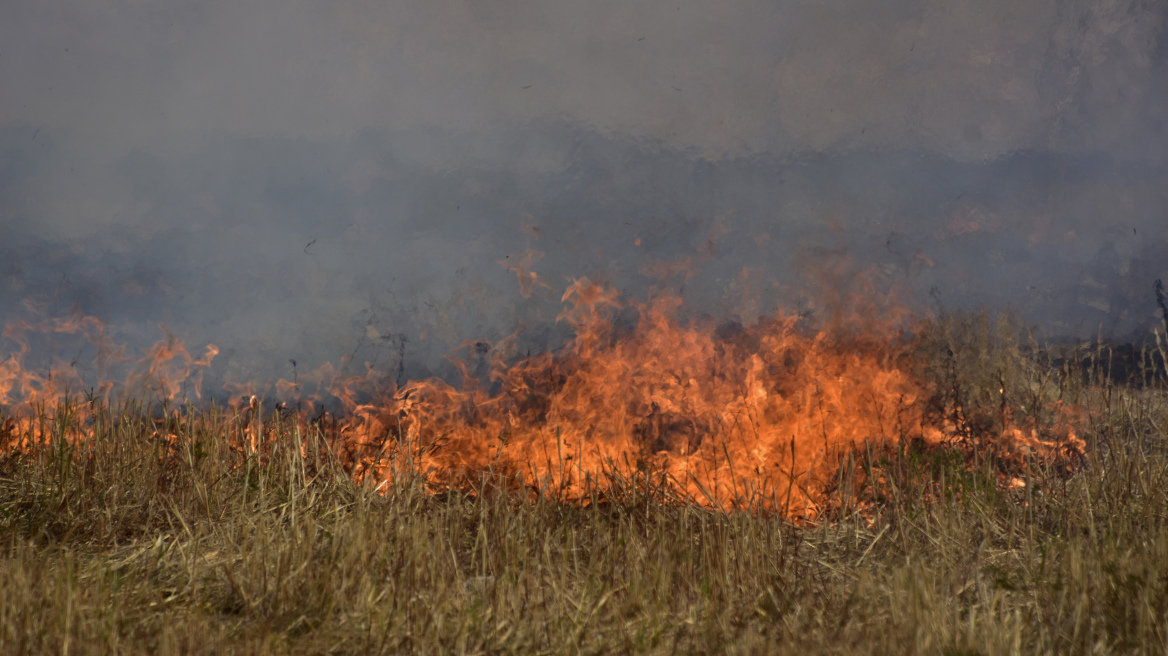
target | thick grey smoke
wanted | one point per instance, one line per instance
(308, 180)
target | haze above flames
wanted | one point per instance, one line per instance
(296, 181)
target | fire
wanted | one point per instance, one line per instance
(167, 372)
(729, 416)
(717, 414)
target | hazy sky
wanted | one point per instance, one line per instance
(300, 179)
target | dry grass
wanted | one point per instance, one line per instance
(128, 543)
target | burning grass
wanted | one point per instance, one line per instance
(1014, 502)
(725, 416)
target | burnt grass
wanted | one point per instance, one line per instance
(159, 534)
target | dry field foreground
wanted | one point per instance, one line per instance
(127, 543)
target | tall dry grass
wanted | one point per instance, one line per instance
(132, 542)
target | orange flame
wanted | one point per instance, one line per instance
(725, 416)
(733, 417)
(161, 375)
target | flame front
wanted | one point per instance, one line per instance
(731, 417)
(721, 415)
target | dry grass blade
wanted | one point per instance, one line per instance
(126, 543)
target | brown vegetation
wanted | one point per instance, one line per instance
(161, 533)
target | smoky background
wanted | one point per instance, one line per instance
(309, 182)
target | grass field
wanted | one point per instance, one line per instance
(130, 542)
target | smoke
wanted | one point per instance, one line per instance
(309, 180)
